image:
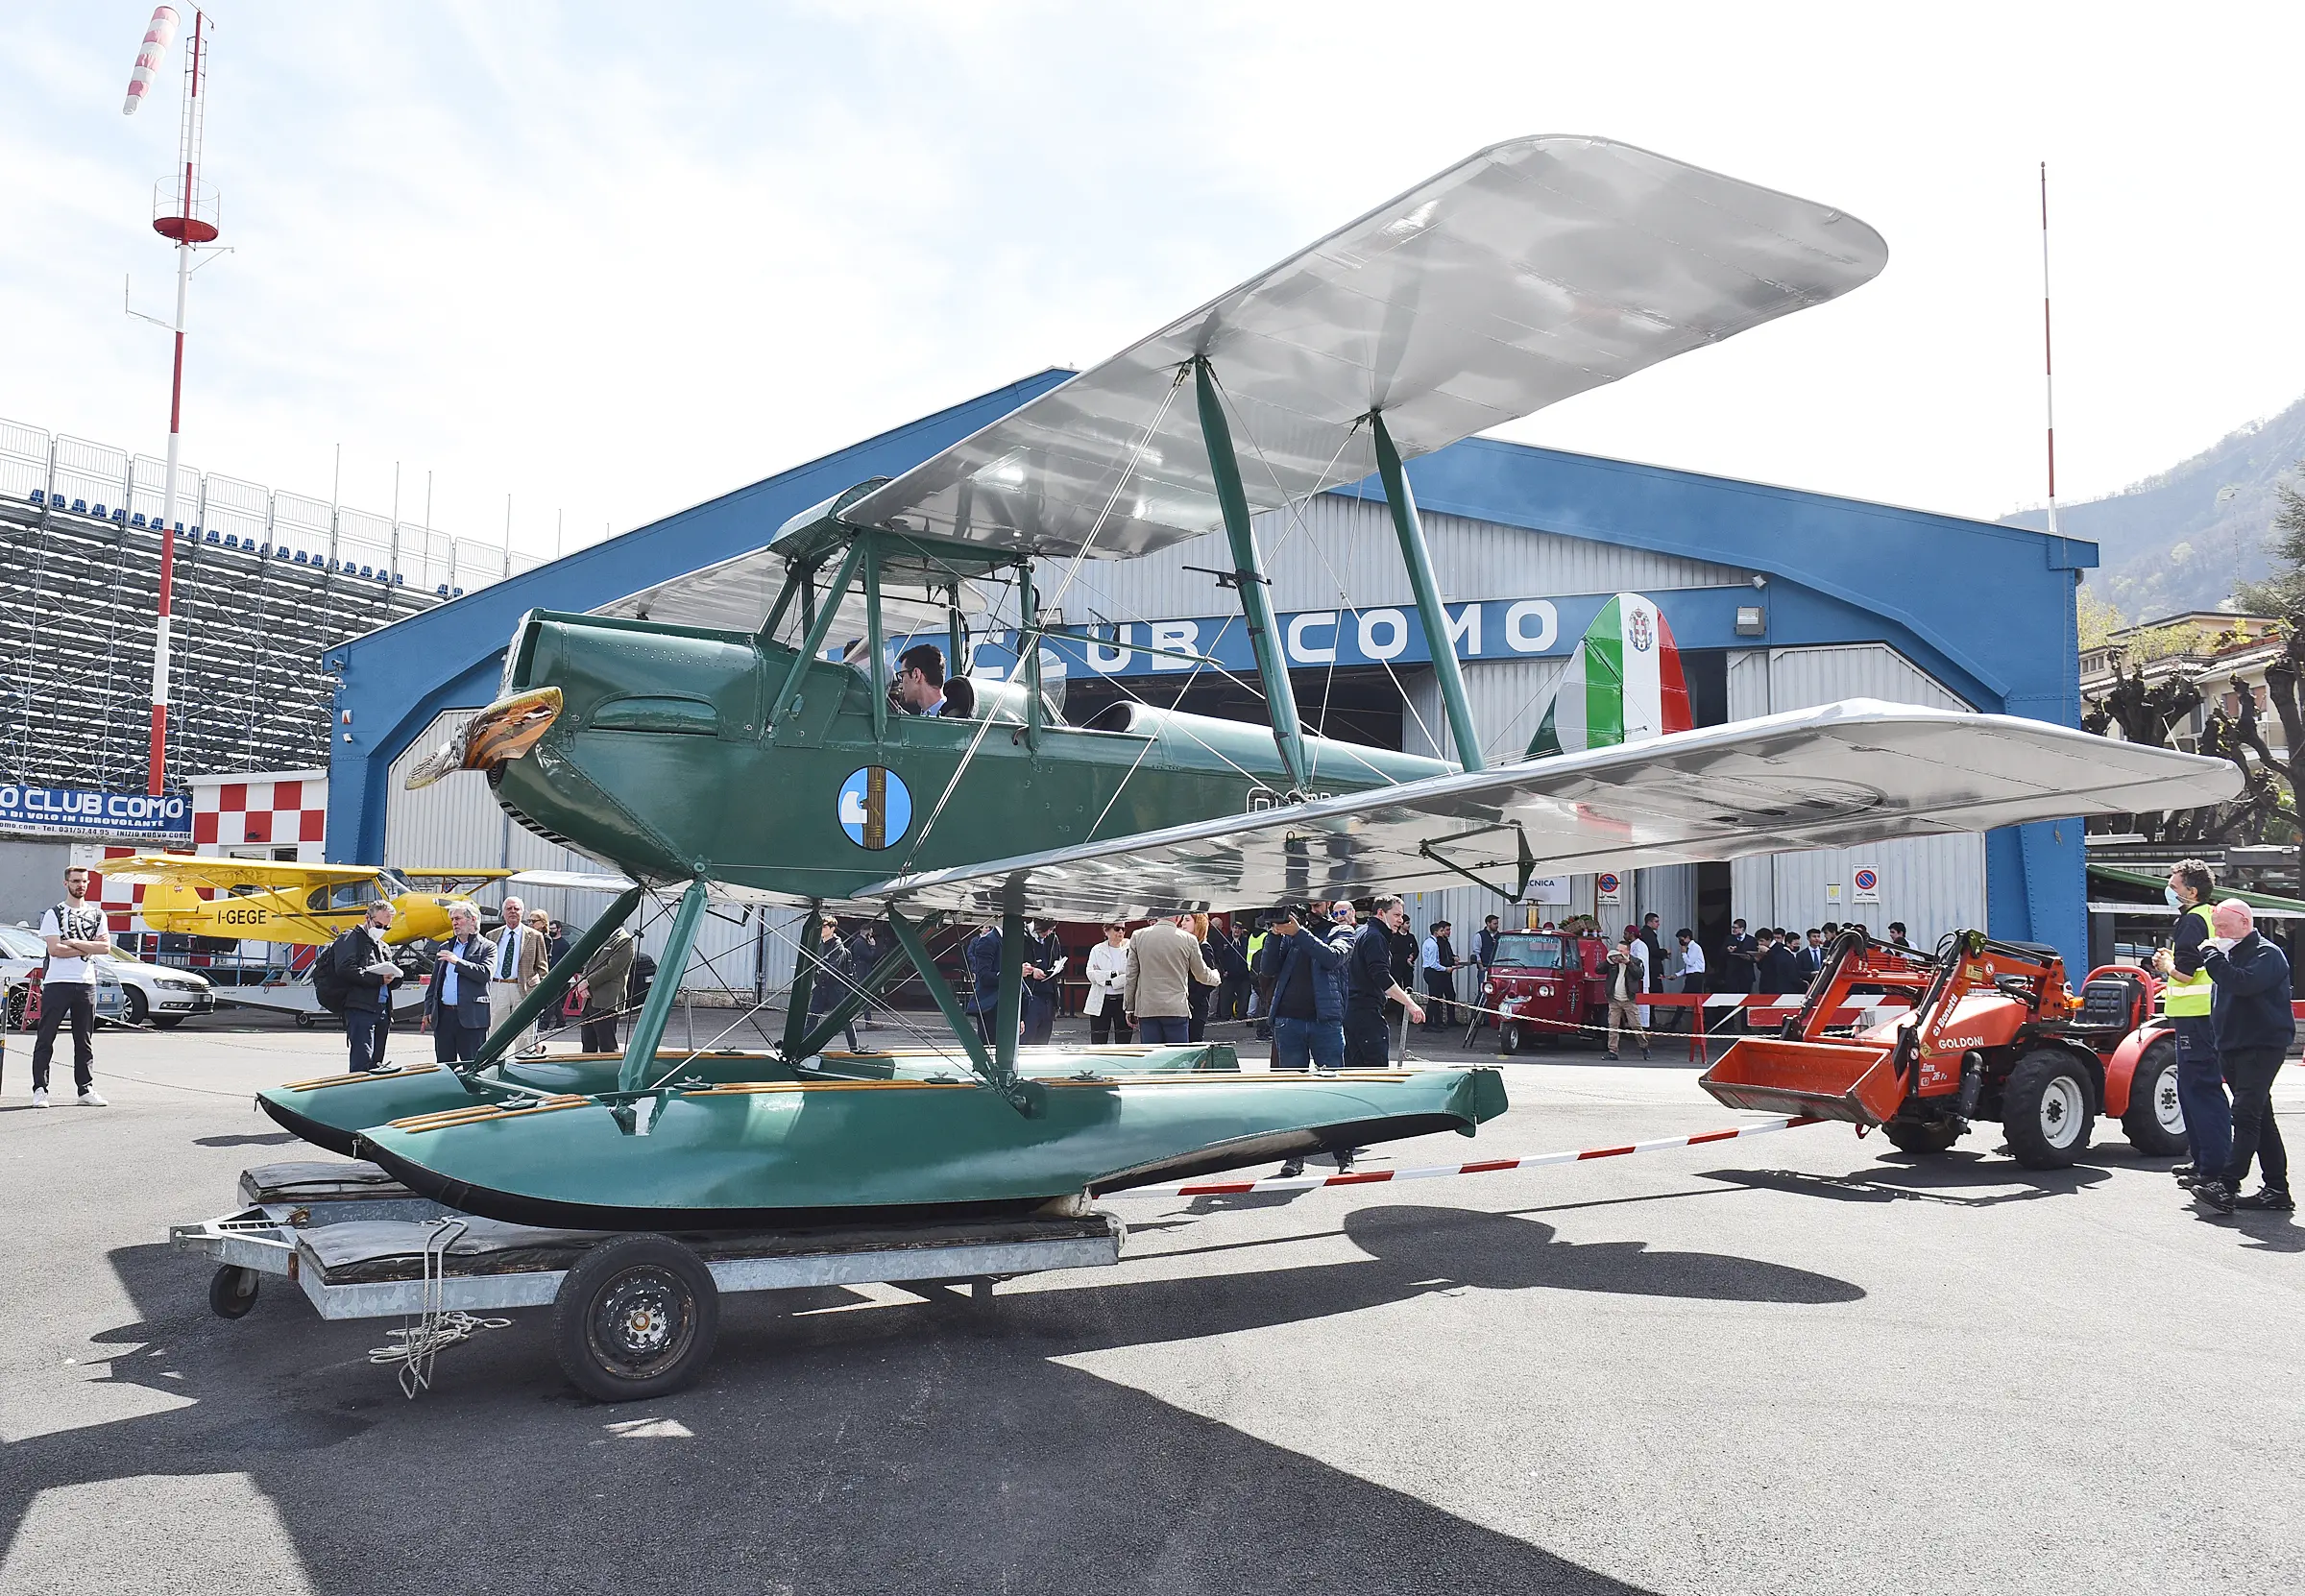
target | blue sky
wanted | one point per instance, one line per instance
(612, 260)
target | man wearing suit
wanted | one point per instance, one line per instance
(517, 964)
(1163, 958)
(456, 1005)
(1812, 956)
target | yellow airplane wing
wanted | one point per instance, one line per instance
(226, 874)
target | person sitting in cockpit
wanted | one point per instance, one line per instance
(922, 689)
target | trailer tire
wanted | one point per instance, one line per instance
(2047, 1110)
(2156, 1122)
(233, 1290)
(1507, 1037)
(1924, 1136)
(305, 1021)
(635, 1319)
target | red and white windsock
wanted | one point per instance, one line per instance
(149, 55)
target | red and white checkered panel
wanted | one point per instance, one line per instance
(118, 902)
(260, 811)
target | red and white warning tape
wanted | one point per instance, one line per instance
(1483, 1165)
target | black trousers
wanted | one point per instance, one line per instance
(454, 1042)
(1368, 1039)
(60, 1000)
(1441, 985)
(599, 1035)
(1109, 1023)
(2256, 1134)
(365, 1030)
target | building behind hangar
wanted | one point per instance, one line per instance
(1779, 599)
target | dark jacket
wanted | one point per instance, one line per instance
(1305, 957)
(2250, 1005)
(828, 975)
(1483, 947)
(1739, 969)
(1780, 971)
(352, 953)
(1630, 971)
(1044, 952)
(1369, 967)
(985, 971)
(472, 981)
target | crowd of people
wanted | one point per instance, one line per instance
(1324, 985)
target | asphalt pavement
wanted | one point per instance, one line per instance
(1792, 1364)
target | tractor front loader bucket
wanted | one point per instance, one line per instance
(1825, 1080)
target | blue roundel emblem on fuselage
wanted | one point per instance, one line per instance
(876, 806)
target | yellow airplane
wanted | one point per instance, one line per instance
(280, 901)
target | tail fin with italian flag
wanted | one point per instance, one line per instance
(1623, 684)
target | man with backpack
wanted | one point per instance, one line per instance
(360, 975)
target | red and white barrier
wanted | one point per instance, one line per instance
(1482, 1166)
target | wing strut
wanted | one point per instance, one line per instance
(656, 1010)
(1256, 605)
(1418, 559)
(547, 992)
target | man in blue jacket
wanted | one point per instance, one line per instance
(1308, 1007)
(2255, 1026)
(457, 1003)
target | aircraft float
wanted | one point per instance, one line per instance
(712, 739)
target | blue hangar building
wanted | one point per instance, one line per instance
(1779, 599)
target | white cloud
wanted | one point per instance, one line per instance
(618, 266)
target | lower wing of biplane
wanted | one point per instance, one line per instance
(1844, 774)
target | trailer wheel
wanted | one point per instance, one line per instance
(1509, 1037)
(636, 1317)
(1924, 1135)
(305, 1021)
(233, 1291)
(2047, 1110)
(2156, 1122)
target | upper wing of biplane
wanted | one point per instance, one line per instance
(449, 878)
(1531, 271)
(1846, 774)
(226, 874)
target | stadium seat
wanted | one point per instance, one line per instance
(279, 551)
(455, 593)
(231, 540)
(442, 591)
(299, 558)
(120, 515)
(212, 537)
(195, 533)
(397, 577)
(39, 498)
(99, 511)
(137, 519)
(80, 506)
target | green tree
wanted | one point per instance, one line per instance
(2284, 591)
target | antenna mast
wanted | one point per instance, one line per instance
(2049, 367)
(184, 211)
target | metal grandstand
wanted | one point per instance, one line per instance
(266, 581)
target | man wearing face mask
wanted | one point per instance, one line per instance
(2255, 1026)
(2186, 999)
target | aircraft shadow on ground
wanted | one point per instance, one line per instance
(935, 1446)
(1964, 1179)
(253, 1139)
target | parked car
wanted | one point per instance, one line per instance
(146, 994)
(21, 955)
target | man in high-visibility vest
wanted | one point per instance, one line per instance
(2186, 999)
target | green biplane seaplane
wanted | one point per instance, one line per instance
(721, 736)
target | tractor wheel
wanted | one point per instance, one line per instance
(635, 1319)
(2047, 1110)
(1924, 1135)
(2156, 1122)
(1508, 1038)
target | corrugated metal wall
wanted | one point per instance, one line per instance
(457, 821)
(1934, 885)
(1344, 547)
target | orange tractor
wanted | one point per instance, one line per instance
(1989, 1031)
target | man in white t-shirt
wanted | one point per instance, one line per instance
(74, 931)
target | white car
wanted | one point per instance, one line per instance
(21, 954)
(150, 994)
